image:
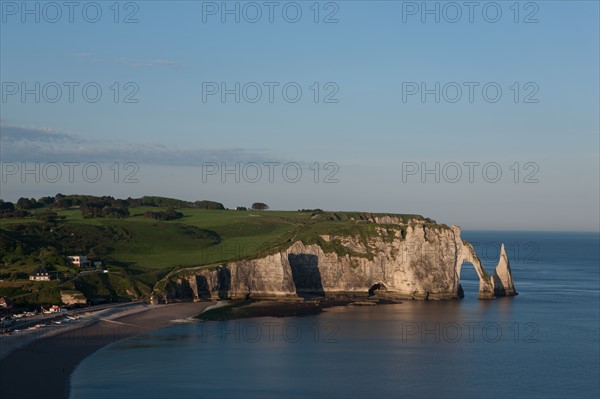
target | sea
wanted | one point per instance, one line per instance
(542, 343)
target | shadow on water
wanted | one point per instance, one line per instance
(306, 275)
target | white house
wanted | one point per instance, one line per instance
(79, 261)
(39, 274)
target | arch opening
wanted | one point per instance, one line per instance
(377, 288)
(468, 280)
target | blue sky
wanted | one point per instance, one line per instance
(366, 61)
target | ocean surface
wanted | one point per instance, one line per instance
(542, 343)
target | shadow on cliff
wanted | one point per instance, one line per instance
(212, 288)
(224, 282)
(203, 288)
(306, 275)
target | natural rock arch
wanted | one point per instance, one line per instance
(500, 284)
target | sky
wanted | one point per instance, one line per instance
(482, 114)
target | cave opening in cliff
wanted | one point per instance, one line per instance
(376, 288)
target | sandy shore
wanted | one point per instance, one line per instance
(42, 368)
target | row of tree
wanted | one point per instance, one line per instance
(107, 206)
(169, 214)
(7, 210)
(104, 211)
(66, 201)
(92, 203)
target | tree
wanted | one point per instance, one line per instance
(260, 206)
(208, 205)
(6, 206)
(63, 202)
(23, 203)
(46, 200)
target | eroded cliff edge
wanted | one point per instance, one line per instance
(390, 256)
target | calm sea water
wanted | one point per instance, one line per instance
(542, 343)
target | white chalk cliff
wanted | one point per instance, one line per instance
(403, 259)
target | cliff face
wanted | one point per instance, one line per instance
(401, 259)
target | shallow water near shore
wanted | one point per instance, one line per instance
(544, 342)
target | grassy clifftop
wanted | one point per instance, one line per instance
(139, 250)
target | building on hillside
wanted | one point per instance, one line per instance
(40, 274)
(79, 261)
(5, 302)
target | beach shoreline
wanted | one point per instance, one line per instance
(43, 366)
(51, 357)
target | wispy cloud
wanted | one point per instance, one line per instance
(33, 144)
(11, 134)
(143, 63)
(129, 62)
